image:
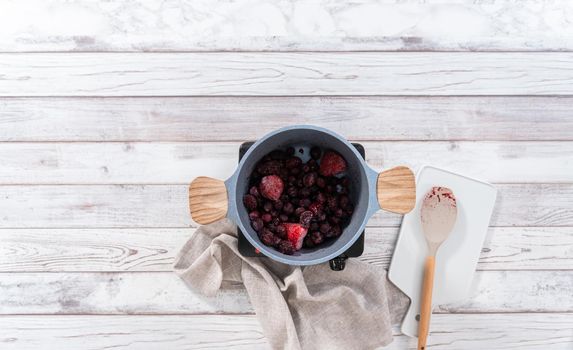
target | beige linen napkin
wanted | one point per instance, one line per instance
(298, 308)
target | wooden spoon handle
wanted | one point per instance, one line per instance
(426, 307)
(208, 200)
(396, 190)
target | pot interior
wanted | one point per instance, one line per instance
(304, 138)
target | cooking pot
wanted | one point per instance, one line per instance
(392, 190)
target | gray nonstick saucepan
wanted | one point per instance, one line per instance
(391, 190)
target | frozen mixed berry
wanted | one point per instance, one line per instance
(308, 243)
(288, 208)
(293, 162)
(306, 217)
(286, 247)
(271, 187)
(332, 202)
(317, 237)
(254, 191)
(315, 152)
(295, 234)
(257, 224)
(266, 217)
(332, 164)
(315, 207)
(314, 226)
(305, 202)
(305, 192)
(324, 228)
(281, 232)
(250, 202)
(268, 238)
(271, 167)
(343, 201)
(335, 231)
(309, 179)
(292, 204)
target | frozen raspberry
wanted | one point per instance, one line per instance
(332, 164)
(254, 215)
(271, 187)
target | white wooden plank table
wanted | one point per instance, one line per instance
(108, 110)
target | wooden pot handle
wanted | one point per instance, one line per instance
(426, 306)
(396, 190)
(208, 200)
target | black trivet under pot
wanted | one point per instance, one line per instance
(336, 264)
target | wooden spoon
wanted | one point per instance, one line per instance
(438, 214)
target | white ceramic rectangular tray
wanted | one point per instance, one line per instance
(457, 258)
